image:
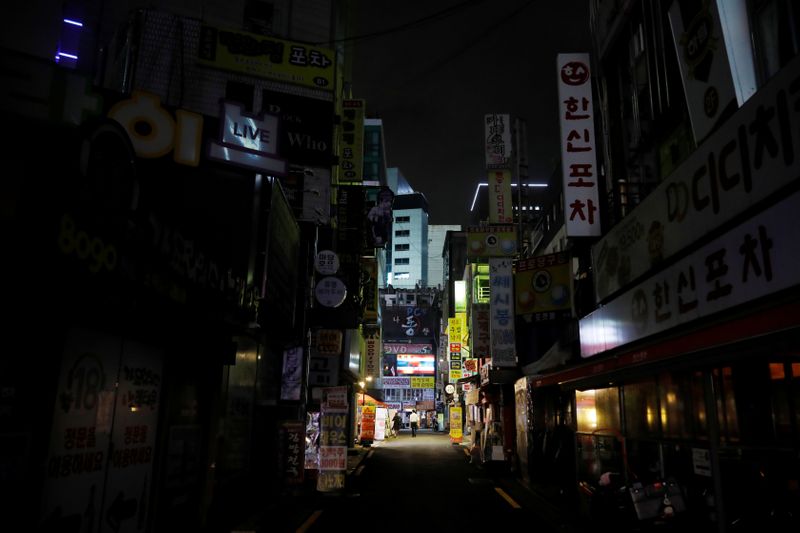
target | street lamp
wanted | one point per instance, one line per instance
(363, 385)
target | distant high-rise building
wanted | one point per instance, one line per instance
(408, 267)
(436, 237)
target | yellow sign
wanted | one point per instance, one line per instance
(350, 136)
(462, 318)
(423, 383)
(542, 287)
(454, 329)
(267, 57)
(492, 241)
(456, 430)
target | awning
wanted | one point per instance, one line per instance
(366, 399)
(773, 320)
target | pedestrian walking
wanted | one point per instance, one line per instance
(396, 421)
(414, 419)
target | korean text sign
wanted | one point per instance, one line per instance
(501, 311)
(578, 156)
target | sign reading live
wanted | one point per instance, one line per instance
(247, 140)
(578, 157)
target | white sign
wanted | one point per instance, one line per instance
(390, 382)
(755, 259)
(578, 157)
(703, 60)
(501, 311)
(497, 133)
(753, 156)
(248, 140)
(701, 462)
(330, 291)
(327, 262)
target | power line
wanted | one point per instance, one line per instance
(444, 13)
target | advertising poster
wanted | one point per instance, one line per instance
(130, 473)
(368, 413)
(103, 435)
(456, 430)
(81, 431)
(333, 440)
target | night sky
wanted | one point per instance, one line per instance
(432, 83)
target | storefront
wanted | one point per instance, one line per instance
(708, 416)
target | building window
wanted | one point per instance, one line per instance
(401, 247)
(402, 233)
(402, 219)
(402, 261)
(402, 275)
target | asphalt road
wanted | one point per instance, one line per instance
(423, 483)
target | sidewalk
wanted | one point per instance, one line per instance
(556, 517)
(289, 510)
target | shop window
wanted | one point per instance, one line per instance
(598, 454)
(776, 24)
(726, 404)
(598, 410)
(785, 385)
(642, 414)
(674, 407)
(699, 414)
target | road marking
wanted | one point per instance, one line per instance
(359, 470)
(308, 523)
(370, 453)
(507, 498)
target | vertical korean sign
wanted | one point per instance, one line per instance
(333, 440)
(456, 430)
(500, 202)
(455, 334)
(292, 436)
(501, 311)
(578, 156)
(497, 133)
(351, 142)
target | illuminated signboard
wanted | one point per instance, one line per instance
(412, 364)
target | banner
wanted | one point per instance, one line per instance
(367, 423)
(456, 427)
(292, 378)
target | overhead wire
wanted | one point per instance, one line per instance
(444, 13)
